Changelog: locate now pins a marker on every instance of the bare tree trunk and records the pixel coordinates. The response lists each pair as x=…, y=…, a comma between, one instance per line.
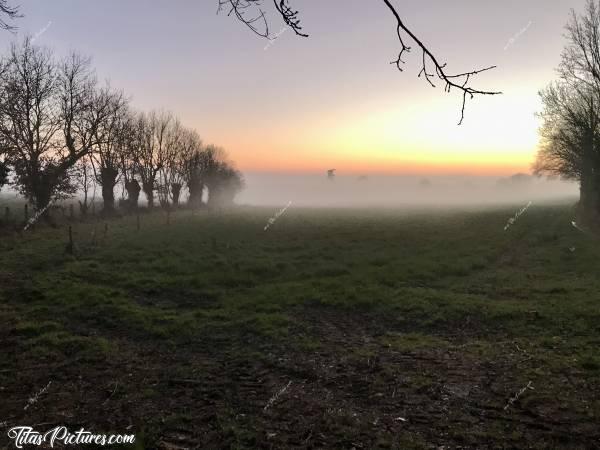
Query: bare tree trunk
x=108, y=176
x=176, y=192
x=196, y=191
x=149, y=191
x=133, y=194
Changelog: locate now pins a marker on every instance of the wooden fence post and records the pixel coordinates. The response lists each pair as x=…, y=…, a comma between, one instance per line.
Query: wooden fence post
x=7, y=213
x=70, y=244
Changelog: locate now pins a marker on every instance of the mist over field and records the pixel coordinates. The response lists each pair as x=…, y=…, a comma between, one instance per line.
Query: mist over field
x=316, y=190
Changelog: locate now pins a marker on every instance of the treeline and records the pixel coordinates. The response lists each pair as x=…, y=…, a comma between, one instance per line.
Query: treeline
x=62, y=132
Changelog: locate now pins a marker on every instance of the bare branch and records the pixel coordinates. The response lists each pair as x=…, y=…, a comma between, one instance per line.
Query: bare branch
x=459, y=81
x=431, y=69
x=12, y=12
x=240, y=8
x=290, y=17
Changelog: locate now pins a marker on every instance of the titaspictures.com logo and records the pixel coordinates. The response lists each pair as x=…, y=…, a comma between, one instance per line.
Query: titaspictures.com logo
x=61, y=435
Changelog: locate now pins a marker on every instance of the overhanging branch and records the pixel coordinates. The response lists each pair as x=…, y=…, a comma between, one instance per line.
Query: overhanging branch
x=251, y=14
x=458, y=81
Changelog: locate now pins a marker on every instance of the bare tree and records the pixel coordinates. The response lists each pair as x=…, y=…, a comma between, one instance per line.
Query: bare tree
x=580, y=59
x=111, y=137
x=83, y=172
x=198, y=164
x=571, y=117
x=171, y=175
x=48, y=116
x=251, y=13
x=224, y=183
x=210, y=168
x=571, y=141
x=30, y=122
x=151, y=153
x=130, y=139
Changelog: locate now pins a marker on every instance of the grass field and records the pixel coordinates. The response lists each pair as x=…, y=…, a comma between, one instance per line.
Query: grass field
x=348, y=329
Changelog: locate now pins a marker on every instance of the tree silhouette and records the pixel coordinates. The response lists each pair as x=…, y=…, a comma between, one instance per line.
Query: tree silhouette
x=571, y=116
x=251, y=13
x=49, y=114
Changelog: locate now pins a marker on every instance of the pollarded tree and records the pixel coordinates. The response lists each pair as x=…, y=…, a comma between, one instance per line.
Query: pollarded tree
x=167, y=174
x=224, y=183
x=211, y=169
x=195, y=160
x=151, y=152
x=130, y=138
x=111, y=138
x=179, y=143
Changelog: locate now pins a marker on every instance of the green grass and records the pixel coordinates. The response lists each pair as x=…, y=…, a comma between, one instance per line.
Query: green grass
x=419, y=282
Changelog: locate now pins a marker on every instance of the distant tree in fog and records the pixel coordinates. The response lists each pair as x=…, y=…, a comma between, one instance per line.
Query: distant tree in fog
x=425, y=183
x=250, y=13
x=223, y=182
x=516, y=180
x=195, y=161
x=208, y=168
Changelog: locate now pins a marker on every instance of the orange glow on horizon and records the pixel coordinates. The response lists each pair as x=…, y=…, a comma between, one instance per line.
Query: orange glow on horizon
x=498, y=137
x=399, y=167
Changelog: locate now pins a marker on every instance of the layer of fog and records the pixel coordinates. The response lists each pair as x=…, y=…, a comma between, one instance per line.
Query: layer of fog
x=400, y=191
x=343, y=191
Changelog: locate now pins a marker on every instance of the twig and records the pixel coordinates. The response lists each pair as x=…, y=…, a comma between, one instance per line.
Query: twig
x=113, y=393
x=458, y=81
x=33, y=400
x=517, y=395
x=273, y=399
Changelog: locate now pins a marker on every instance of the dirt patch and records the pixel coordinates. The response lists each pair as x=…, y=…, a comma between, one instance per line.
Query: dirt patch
x=352, y=390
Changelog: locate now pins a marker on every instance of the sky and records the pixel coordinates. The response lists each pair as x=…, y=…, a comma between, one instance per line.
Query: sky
x=332, y=100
